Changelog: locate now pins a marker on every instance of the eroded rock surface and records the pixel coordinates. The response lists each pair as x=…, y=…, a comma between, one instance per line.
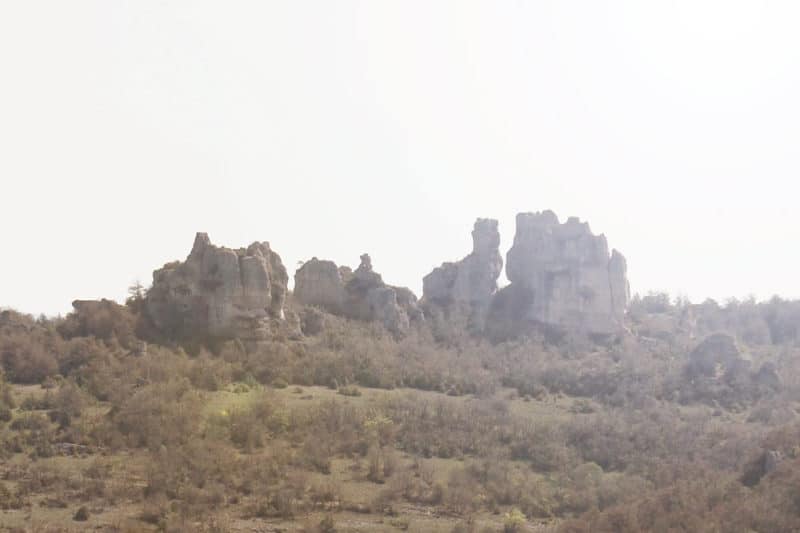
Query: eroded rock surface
x=562, y=276
x=219, y=291
x=467, y=286
x=321, y=283
x=360, y=294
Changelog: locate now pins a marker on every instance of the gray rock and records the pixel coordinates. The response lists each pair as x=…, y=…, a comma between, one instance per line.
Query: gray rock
x=383, y=306
x=468, y=285
x=563, y=277
x=320, y=283
x=360, y=294
x=219, y=291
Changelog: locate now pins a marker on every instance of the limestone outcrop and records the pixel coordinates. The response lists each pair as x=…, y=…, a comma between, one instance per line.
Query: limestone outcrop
x=468, y=286
x=219, y=291
x=321, y=283
x=563, y=277
x=360, y=294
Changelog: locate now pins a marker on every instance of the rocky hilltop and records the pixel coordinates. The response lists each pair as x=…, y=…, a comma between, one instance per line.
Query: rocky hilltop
x=562, y=276
x=219, y=291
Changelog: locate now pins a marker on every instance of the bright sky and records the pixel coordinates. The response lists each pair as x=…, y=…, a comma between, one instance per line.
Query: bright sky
x=333, y=128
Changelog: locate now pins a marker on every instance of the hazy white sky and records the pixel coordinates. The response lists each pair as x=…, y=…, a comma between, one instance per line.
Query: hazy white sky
x=331, y=128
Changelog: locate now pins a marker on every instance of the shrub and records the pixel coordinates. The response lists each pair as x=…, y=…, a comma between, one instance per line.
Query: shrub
x=28, y=361
x=349, y=390
x=9, y=499
x=159, y=414
x=513, y=521
x=82, y=514
x=103, y=319
x=327, y=525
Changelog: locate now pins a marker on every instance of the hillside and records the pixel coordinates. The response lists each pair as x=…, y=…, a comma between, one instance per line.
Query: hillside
x=218, y=400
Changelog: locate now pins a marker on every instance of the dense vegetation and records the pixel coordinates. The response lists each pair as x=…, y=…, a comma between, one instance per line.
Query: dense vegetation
x=104, y=424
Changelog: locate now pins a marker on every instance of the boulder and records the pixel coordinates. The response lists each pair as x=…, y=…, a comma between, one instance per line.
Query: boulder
x=219, y=292
x=467, y=286
x=562, y=277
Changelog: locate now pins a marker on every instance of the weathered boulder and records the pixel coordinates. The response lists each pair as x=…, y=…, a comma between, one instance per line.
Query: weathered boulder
x=360, y=294
x=468, y=285
x=563, y=277
x=219, y=291
x=362, y=288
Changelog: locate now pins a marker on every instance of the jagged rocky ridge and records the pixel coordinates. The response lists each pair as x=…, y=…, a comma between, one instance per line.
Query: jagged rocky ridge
x=562, y=277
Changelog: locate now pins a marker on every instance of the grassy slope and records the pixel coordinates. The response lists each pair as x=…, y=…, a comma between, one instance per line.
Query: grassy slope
x=44, y=515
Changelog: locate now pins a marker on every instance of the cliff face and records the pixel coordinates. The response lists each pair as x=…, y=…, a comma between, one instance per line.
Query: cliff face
x=219, y=291
x=561, y=276
x=468, y=286
x=359, y=294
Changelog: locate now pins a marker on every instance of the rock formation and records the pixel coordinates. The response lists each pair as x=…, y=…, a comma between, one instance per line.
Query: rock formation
x=563, y=277
x=468, y=285
x=321, y=283
x=219, y=291
x=359, y=294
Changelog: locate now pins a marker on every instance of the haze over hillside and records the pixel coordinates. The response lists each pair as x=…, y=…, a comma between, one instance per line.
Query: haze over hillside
x=440, y=266
x=349, y=127
x=217, y=400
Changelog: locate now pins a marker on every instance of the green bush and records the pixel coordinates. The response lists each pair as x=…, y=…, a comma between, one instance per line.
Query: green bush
x=513, y=521
x=349, y=390
x=82, y=514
